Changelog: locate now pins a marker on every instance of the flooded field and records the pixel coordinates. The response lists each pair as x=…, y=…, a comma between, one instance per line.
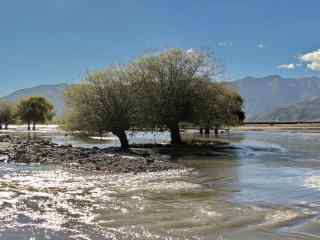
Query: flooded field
x=268, y=187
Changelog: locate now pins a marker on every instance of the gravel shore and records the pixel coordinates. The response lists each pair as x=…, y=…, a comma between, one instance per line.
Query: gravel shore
x=109, y=160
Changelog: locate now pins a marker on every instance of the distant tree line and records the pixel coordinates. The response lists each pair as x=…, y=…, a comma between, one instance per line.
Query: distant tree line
x=155, y=91
x=30, y=111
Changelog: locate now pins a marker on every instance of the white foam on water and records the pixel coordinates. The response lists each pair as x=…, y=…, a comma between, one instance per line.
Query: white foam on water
x=113, y=138
x=53, y=199
x=6, y=195
x=312, y=182
x=280, y=217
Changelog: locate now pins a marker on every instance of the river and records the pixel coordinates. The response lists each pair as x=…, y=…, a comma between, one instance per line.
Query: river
x=267, y=187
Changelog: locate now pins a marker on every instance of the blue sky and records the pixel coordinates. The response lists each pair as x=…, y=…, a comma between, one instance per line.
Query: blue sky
x=55, y=41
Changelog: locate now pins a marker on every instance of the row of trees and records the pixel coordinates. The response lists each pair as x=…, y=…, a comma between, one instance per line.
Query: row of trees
x=156, y=91
x=31, y=111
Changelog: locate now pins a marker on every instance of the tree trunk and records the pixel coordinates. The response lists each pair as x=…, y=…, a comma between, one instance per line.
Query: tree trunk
x=121, y=134
x=100, y=135
x=34, y=126
x=207, y=131
x=29, y=128
x=6, y=126
x=175, y=135
x=0, y=126
x=216, y=130
x=201, y=131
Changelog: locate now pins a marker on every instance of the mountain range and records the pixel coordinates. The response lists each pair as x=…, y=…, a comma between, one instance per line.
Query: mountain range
x=270, y=98
x=266, y=94
x=308, y=110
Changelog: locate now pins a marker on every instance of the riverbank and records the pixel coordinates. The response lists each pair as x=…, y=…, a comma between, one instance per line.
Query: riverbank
x=143, y=157
x=108, y=160
x=299, y=127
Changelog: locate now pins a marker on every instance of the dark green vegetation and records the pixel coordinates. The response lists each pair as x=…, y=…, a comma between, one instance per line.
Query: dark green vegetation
x=35, y=110
x=157, y=91
x=218, y=106
x=31, y=110
x=7, y=114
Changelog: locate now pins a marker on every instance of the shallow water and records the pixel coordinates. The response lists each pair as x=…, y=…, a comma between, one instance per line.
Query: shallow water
x=267, y=188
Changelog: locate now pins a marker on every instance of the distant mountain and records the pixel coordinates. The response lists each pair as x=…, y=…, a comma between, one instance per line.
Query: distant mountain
x=53, y=93
x=303, y=111
x=267, y=98
x=268, y=93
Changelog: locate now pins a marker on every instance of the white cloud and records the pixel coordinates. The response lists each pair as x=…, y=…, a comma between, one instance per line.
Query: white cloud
x=261, y=45
x=312, y=59
x=288, y=66
x=311, y=56
x=190, y=50
x=315, y=66
x=225, y=44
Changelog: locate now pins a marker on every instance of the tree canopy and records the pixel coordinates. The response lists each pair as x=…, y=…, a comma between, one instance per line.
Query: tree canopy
x=157, y=91
x=168, y=84
x=218, y=106
x=103, y=102
x=35, y=110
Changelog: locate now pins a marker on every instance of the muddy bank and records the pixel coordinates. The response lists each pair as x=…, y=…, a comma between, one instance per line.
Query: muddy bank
x=187, y=150
x=109, y=160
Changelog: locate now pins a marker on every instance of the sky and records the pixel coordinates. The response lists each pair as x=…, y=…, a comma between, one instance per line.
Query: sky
x=59, y=41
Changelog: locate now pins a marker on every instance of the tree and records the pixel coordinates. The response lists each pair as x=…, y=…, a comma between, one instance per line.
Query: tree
x=218, y=105
x=81, y=106
x=103, y=102
x=7, y=114
x=35, y=110
x=166, y=85
x=155, y=91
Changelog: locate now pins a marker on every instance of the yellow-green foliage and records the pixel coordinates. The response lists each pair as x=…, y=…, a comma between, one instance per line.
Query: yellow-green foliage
x=103, y=102
x=218, y=105
x=166, y=86
x=163, y=90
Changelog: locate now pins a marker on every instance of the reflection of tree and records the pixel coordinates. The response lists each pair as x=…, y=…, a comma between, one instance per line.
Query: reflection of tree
x=219, y=169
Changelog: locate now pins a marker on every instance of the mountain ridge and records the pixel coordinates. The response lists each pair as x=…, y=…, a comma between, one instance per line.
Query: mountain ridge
x=308, y=110
x=262, y=95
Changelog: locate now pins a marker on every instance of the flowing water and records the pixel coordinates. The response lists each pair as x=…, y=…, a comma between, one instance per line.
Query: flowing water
x=268, y=187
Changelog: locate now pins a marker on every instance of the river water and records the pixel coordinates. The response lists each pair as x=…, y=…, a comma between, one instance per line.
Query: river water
x=267, y=187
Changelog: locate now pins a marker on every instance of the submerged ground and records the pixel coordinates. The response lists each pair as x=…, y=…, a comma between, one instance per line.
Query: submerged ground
x=266, y=187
